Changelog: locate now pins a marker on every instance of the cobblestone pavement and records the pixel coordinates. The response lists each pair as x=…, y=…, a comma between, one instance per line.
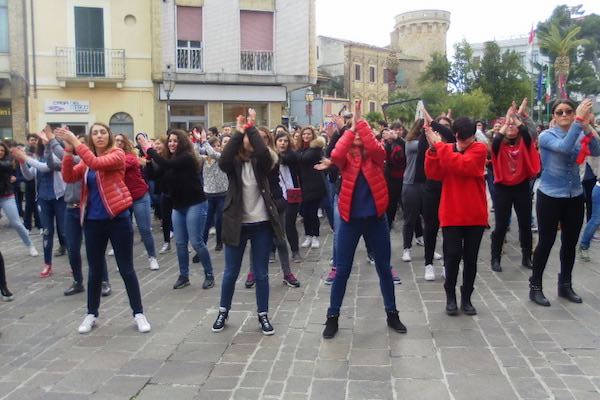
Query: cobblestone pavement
x=512, y=349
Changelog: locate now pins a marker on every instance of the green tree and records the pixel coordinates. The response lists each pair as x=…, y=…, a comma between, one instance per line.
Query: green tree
x=438, y=69
x=475, y=104
x=373, y=118
x=462, y=71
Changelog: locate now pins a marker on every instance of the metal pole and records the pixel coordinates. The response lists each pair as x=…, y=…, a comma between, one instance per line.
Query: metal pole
x=168, y=111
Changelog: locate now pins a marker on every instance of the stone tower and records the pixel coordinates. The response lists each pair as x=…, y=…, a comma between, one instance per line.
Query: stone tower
x=421, y=33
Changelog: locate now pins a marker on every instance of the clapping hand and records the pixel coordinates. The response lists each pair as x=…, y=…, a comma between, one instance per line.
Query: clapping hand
x=323, y=164
x=432, y=136
x=18, y=154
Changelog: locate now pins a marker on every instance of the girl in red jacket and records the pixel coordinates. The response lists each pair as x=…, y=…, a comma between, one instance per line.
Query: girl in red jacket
x=105, y=203
x=463, y=206
x=363, y=202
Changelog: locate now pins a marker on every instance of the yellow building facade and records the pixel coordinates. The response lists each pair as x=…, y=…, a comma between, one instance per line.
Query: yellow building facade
x=91, y=62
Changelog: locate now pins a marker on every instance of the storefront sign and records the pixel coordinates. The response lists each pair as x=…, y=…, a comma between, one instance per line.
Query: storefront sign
x=67, y=107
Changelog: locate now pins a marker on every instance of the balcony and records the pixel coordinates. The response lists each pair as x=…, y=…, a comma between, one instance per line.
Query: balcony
x=189, y=57
x=90, y=64
x=256, y=61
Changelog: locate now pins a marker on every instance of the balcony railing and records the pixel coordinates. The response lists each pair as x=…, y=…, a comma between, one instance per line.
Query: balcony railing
x=256, y=61
x=82, y=63
x=189, y=59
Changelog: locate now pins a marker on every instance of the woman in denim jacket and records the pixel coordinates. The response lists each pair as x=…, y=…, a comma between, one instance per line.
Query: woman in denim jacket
x=560, y=194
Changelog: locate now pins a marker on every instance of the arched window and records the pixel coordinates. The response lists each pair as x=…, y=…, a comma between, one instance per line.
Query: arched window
x=122, y=122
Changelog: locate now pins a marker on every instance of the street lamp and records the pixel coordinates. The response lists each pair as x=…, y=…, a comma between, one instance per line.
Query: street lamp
x=309, y=96
x=168, y=86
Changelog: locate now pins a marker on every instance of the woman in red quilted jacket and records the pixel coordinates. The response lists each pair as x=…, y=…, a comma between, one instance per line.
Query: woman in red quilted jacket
x=363, y=202
x=105, y=203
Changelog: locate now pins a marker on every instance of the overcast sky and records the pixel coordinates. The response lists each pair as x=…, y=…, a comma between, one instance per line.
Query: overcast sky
x=371, y=21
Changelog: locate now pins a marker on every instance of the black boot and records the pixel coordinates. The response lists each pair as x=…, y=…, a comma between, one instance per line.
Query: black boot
x=465, y=301
x=451, y=307
x=393, y=321
x=565, y=290
x=6, y=294
x=526, y=259
x=75, y=288
x=496, y=267
x=331, y=326
x=536, y=295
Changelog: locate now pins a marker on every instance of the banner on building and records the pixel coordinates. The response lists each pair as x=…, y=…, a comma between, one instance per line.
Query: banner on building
x=67, y=107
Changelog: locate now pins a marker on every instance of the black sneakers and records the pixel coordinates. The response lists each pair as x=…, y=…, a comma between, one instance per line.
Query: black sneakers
x=209, y=282
x=182, y=282
x=331, y=327
x=393, y=321
x=264, y=324
x=75, y=288
x=219, y=324
x=6, y=294
x=106, y=289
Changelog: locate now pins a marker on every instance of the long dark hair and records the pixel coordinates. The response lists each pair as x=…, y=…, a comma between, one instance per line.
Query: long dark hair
x=416, y=130
x=184, y=145
x=6, y=151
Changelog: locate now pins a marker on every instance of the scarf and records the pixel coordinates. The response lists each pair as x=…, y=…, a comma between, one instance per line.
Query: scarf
x=585, y=149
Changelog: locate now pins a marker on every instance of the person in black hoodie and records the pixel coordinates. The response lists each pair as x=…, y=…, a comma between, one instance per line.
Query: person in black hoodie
x=395, y=164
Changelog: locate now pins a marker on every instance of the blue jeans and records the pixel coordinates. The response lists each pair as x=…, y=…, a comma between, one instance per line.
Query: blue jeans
x=188, y=224
x=377, y=235
x=594, y=222
x=73, y=235
x=261, y=240
x=336, y=226
x=143, y=217
x=51, y=210
x=214, y=216
x=120, y=233
x=10, y=210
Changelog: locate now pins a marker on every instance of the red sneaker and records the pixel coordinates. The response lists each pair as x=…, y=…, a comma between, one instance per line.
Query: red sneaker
x=47, y=271
x=330, y=277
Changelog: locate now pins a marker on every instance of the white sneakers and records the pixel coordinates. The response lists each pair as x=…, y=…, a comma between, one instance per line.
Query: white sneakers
x=307, y=242
x=111, y=252
x=142, y=323
x=315, y=244
x=165, y=248
x=437, y=256
x=32, y=251
x=419, y=241
x=429, y=273
x=406, y=255
x=88, y=323
x=153, y=263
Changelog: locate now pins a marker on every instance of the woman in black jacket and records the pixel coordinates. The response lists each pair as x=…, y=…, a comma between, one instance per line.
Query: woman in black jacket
x=249, y=214
x=312, y=183
x=155, y=173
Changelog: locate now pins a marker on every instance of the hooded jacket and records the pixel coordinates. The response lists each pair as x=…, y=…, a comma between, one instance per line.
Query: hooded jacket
x=312, y=181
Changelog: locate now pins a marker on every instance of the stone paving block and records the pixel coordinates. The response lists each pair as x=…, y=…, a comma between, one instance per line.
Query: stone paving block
x=84, y=381
x=458, y=338
x=124, y=385
x=412, y=347
x=254, y=379
x=141, y=367
x=303, y=368
x=459, y=361
x=370, y=373
x=328, y=390
x=416, y=367
x=331, y=369
x=472, y=387
x=220, y=383
x=246, y=394
x=578, y=383
x=64, y=396
x=182, y=372
x=369, y=390
x=41, y=380
x=331, y=350
x=419, y=389
x=530, y=388
x=297, y=384
x=162, y=392
x=198, y=352
x=370, y=357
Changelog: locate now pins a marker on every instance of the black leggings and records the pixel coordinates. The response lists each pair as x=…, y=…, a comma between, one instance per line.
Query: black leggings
x=550, y=212
x=291, y=213
x=431, y=193
x=507, y=196
x=2, y=272
x=461, y=242
x=166, y=209
x=395, y=191
x=311, y=220
x=413, y=203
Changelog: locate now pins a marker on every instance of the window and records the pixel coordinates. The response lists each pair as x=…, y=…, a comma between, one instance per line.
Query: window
x=256, y=30
x=89, y=41
x=189, y=38
x=4, y=27
x=187, y=115
x=372, y=106
x=232, y=110
x=122, y=123
x=357, y=72
x=5, y=120
x=372, y=74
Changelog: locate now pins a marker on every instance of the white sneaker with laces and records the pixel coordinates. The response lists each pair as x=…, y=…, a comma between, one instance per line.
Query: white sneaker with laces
x=111, y=252
x=307, y=242
x=142, y=323
x=171, y=235
x=212, y=231
x=153, y=263
x=443, y=272
x=406, y=255
x=429, y=273
x=315, y=244
x=88, y=323
x=32, y=251
x=419, y=241
x=165, y=248
x=437, y=256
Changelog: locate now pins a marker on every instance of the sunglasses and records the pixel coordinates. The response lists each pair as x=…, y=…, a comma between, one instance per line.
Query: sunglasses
x=560, y=113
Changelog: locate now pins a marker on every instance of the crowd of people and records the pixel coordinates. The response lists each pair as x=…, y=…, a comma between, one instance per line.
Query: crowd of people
x=252, y=184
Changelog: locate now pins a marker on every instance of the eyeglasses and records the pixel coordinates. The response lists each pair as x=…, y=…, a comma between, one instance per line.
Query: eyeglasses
x=560, y=113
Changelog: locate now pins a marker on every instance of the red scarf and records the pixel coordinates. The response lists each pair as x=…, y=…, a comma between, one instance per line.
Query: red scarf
x=514, y=164
x=585, y=148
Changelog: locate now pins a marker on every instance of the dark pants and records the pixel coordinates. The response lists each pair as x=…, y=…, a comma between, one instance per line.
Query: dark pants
x=2, y=272
x=291, y=213
x=31, y=207
x=413, y=204
x=375, y=232
x=489, y=178
x=395, y=192
x=19, y=196
x=588, y=187
x=52, y=210
x=461, y=242
x=550, y=212
x=120, y=233
x=73, y=236
x=214, y=215
x=518, y=196
x=311, y=220
x=432, y=193
x=166, y=210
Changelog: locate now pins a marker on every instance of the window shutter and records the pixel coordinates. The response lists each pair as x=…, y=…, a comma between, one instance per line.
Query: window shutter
x=256, y=29
x=189, y=23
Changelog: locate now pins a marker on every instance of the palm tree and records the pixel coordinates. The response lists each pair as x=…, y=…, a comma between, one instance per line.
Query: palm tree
x=561, y=46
